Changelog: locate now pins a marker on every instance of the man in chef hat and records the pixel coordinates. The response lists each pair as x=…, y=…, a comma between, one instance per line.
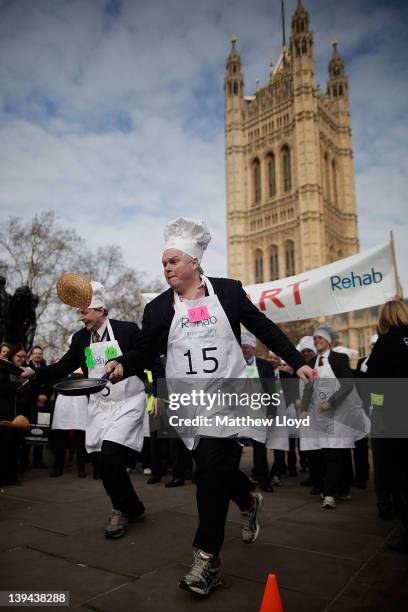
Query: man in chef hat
x=114, y=416
x=196, y=323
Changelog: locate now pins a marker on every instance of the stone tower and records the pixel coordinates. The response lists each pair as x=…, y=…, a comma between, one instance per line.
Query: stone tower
x=291, y=202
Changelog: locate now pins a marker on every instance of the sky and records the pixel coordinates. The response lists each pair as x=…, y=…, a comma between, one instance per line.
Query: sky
x=112, y=112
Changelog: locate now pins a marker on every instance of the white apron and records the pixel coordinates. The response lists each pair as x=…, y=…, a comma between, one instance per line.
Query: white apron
x=70, y=412
x=207, y=349
x=349, y=424
x=278, y=436
x=117, y=417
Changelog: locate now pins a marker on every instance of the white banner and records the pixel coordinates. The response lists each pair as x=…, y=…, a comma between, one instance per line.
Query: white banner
x=360, y=281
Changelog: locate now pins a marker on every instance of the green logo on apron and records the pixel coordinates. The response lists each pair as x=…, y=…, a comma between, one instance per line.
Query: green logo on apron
x=110, y=352
x=90, y=364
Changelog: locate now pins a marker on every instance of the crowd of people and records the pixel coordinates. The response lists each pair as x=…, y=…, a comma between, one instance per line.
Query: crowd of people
x=113, y=430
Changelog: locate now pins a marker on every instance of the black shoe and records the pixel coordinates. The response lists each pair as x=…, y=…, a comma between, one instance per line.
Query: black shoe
x=40, y=466
x=82, y=474
x=266, y=486
x=153, y=479
x=360, y=484
x=400, y=545
x=306, y=483
x=11, y=483
x=293, y=473
x=315, y=491
x=55, y=473
x=176, y=482
x=385, y=514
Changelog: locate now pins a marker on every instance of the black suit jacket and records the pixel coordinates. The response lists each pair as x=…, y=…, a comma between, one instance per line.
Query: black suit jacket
x=126, y=333
x=159, y=313
x=341, y=368
x=290, y=382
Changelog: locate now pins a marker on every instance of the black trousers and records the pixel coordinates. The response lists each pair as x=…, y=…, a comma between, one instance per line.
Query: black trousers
x=159, y=450
x=10, y=443
x=181, y=460
x=261, y=470
x=113, y=460
x=279, y=463
x=360, y=456
x=390, y=459
x=316, y=467
x=219, y=480
x=59, y=444
x=335, y=471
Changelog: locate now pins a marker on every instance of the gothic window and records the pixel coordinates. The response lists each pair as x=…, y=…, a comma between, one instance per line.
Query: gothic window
x=287, y=178
x=229, y=89
x=340, y=89
x=274, y=263
x=304, y=46
x=302, y=26
x=297, y=44
x=256, y=174
x=234, y=68
x=271, y=175
x=258, y=266
x=289, y=258
x=334, y=90
x=235, y=87
x=334, y=182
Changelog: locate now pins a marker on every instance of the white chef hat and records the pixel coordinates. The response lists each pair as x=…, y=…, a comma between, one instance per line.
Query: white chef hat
x=98, y=295
x=306, y=342
x=248, y=339
x=326, y=331
x=373, y=338
x=346, y=351
x=188, y=235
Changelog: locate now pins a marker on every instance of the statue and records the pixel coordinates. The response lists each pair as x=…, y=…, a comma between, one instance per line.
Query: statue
x=21, y=318
x=4, y=306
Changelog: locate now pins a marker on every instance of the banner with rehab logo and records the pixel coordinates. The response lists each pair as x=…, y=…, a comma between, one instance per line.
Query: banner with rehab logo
x=360, y=281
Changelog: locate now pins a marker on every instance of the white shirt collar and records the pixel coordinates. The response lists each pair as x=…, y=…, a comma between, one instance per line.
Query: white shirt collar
x=101, y=329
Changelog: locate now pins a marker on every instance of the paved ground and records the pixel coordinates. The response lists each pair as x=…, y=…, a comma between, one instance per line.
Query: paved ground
x=51, y=538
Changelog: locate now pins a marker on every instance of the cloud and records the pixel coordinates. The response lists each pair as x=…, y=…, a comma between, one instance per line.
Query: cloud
x=111, y=112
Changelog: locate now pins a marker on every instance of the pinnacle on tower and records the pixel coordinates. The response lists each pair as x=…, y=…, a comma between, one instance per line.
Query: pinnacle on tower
x=337, y=85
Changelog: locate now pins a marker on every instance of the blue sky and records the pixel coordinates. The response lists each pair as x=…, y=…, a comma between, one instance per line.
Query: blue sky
x=111, y=112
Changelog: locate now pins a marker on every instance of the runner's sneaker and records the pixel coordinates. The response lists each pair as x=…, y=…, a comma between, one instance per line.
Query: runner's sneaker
x=204, y=574
x=117, y=525
x=276, y=481
x=328, y=502
x=147, y=471
x=250, y=524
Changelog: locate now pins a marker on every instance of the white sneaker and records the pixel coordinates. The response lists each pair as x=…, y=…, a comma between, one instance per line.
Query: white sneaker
x=250, y=524
x=147, y=472
x=328, y=502
x=204, y=574
x=276, y=481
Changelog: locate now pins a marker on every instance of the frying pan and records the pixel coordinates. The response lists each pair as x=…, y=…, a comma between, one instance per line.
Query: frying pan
x=83, y=386
x=10, y=368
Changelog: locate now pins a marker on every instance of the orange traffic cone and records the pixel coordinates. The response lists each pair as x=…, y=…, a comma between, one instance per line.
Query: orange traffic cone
x=271, y=601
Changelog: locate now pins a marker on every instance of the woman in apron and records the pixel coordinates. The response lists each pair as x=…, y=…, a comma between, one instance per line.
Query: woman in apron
x=196, y=323
x=337, y=418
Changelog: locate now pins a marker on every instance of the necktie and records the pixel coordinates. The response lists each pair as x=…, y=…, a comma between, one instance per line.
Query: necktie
x=96, y=337
x=320, y=361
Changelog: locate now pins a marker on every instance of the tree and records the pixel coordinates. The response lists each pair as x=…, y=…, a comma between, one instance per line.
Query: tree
x=36, y=252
